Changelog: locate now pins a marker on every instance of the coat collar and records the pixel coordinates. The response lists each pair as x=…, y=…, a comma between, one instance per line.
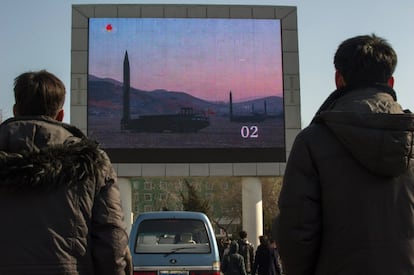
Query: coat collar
x=337, y=94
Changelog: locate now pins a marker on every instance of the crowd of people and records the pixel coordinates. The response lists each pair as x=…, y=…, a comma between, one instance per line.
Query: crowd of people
x=238, y=257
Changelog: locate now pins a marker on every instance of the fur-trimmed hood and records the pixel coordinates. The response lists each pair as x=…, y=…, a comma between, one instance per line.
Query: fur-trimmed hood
x=61, y=201
x=40, y=153
x=52, y=166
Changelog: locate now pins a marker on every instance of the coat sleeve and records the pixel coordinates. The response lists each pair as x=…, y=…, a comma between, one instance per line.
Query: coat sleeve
x=277, y=263
x=225, y=263
x=242, y=266
x=299, y=225
x=251, y=253
x=109, y=236
x=255, y=263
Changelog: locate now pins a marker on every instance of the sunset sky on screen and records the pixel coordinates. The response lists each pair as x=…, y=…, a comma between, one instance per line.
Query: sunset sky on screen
x=203, y=57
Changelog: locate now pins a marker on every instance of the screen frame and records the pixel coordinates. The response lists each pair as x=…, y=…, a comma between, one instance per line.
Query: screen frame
x=286, y=15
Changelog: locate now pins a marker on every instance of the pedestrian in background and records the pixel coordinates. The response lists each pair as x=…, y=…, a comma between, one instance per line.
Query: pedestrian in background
x=233, y=262
x=246, y=249
x=346, y=204
x=274, y=254
x=265, y=260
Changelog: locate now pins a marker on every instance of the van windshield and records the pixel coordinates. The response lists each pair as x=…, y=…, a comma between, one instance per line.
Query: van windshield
x=172, y=236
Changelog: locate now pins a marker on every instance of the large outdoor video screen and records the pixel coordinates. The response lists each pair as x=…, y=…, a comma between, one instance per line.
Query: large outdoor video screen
x=186, y=89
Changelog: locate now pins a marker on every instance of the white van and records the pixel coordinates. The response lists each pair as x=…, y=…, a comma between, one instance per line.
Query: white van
x=174, y=243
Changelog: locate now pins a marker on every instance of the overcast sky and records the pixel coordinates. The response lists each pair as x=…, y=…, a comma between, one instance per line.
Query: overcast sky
x=37, y=35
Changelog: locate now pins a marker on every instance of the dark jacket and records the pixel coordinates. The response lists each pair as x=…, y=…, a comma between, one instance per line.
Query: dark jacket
x=246, y=249
x=59, y=202
x=233, y=262
x=266, y=261
x=347, y=201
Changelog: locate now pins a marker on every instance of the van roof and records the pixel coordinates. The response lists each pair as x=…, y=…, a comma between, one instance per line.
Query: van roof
x=172, y=215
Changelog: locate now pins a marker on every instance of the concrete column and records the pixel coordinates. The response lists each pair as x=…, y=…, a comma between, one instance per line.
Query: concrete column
x=126, y=200
x=252, y=209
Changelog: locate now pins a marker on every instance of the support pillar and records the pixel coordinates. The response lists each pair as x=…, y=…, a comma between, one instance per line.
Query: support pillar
x=252, y=209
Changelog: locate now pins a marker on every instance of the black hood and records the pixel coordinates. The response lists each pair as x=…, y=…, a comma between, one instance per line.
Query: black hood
x=383, y=143
x=234, y=247
x=372, y=126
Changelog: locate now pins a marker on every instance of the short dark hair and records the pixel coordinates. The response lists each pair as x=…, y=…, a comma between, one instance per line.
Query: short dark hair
x=38, y=93
x=263, y=239
x=242, y=234
x=365, y=59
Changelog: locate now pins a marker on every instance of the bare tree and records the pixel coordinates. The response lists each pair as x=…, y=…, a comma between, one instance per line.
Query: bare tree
x=271, y=187
x=192, y=201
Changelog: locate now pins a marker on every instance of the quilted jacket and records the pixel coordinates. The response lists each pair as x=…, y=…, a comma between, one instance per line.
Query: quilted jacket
x=347, y=201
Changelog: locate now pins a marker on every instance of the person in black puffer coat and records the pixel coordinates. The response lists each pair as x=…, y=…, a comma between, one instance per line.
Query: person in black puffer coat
x=346, y=204
x=266, y=260
x=59, y=196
